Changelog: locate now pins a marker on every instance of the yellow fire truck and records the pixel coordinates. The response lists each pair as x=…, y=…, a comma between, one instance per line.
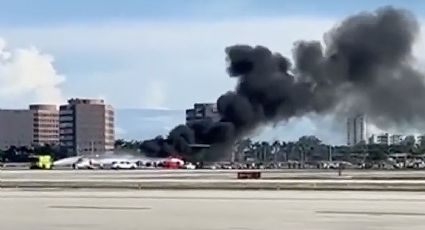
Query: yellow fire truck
x=41, y=162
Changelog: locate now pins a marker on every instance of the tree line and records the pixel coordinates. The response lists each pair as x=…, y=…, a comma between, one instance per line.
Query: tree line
x=23, y=153
x=306, y=148
x=311, y=148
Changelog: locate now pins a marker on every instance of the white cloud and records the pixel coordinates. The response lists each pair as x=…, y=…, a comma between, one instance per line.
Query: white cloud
x=28, y=76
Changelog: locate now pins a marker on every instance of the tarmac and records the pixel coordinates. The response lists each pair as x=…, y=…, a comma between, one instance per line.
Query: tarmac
x=212, y=179
x=57, y=209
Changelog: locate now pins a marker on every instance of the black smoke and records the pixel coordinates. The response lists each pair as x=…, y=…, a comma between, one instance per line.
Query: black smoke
x=364, y=65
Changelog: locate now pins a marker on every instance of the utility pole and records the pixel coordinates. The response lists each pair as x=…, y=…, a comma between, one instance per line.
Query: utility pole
x=302, y=151
x=92, y=147
x=330, y=153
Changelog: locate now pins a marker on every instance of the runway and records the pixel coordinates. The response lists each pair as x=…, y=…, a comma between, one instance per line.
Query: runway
x=207, y=174
x=209, y=179
x=210, y=210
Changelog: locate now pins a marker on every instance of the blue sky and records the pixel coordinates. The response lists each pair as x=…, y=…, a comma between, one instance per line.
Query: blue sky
x=45, y=12
x=96, y=39
x=153, y=54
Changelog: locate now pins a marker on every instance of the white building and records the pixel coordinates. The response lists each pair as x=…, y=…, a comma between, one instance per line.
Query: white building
x=381, y=139
x=396, y=139
x=356, y=130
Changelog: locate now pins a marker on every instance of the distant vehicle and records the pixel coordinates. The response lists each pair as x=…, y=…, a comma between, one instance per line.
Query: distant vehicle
x=420, y=165
x=415, y=164
x=124, y=165
x=83, y=163
x=227, y=166
x=173, y=163
x=330, y=165
x=41, y=162
x=189, y=166
x=398, y=165
x=272, y=166
x=212, y=166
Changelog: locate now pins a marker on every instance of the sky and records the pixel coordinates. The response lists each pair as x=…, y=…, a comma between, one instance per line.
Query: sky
x=164, y=54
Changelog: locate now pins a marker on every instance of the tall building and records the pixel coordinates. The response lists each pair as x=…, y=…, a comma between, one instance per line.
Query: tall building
x=38, y=125
x=16, y=128
x=202, y=111
x=356, y=130
x=45, y=124
x=86, y=126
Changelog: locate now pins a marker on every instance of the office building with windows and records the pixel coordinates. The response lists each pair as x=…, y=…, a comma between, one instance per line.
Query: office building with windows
x=356, y=130
x=201, y=112
x=38, y=125
x=45, y=124
x=86, y=126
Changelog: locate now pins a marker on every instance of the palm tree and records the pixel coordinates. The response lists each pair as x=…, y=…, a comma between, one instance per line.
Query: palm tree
x=266, y=150
x=276, y=149
x=256, y=150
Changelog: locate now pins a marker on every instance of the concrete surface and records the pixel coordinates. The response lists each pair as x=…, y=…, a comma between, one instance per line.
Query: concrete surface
x=210, y=210
x=207, y=179
x=211, y=174
x=375, y=185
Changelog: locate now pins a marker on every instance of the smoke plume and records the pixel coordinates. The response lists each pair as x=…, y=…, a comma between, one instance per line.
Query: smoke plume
x=363, y=66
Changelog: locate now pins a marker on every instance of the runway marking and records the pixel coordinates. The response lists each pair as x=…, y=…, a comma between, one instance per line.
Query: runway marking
x=98, y=207
x=214, y=198
x=240, y=228
x=372, y=213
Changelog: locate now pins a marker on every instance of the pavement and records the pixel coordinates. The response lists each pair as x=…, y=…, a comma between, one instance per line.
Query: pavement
x=210, y=174
x=57, y=209
x=209, y=179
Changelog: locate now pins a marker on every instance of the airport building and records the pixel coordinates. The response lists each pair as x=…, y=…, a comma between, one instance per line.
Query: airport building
x=86, y=126
x=396, y=139
x=16, y=128
x=381, y=139
x=38, y=125
x=202, y=112
x=389, y=139
x=45, y=124
x=356, y=130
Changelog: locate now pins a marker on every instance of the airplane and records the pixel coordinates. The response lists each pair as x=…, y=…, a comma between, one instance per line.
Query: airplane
x=106, y=160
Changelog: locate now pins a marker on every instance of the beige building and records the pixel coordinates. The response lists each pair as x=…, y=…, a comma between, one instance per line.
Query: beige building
x=16, y=128
x=45, y=124
x=87, y=126
x=356, y=130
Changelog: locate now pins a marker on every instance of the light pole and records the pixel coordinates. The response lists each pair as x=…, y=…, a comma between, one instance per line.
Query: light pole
x=92, y=147
x=330, y=153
